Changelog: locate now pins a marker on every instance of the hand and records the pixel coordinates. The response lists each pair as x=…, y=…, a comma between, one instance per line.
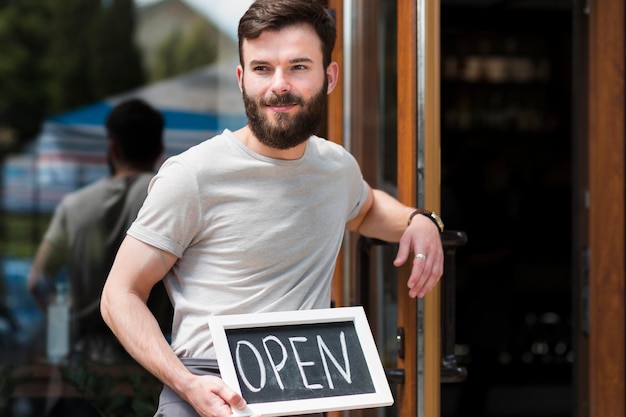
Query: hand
x=211, y=397
x=421, y=237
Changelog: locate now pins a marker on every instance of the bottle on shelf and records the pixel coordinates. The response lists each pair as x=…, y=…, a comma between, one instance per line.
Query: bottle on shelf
x=58, y=325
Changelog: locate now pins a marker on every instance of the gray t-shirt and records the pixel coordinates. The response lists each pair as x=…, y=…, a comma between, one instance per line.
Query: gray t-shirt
x=86, y=230
x=253, y=234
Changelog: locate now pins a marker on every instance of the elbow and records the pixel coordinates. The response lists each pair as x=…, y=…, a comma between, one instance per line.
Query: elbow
x=105, y=308
x=33, y=287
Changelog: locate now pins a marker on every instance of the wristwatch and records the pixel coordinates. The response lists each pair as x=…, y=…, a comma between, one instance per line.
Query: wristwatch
x=434, y=217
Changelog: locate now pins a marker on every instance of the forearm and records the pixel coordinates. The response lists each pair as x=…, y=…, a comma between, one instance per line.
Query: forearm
x=386, y=219
x=383, y=217
x=40, y=270
x=137, y=268
x=135, y=271
x=136, y=328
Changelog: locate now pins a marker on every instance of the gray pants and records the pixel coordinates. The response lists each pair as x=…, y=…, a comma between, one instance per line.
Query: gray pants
x=171, y=405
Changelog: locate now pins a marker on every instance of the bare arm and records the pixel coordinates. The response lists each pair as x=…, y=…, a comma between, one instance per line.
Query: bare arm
x=137, y=268
x=43, y=266
x=384, y=217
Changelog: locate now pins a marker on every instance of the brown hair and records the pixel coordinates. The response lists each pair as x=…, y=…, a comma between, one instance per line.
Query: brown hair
x=274, y=15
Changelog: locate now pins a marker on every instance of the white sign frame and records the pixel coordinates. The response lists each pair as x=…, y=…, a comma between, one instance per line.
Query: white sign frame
x=382, y=396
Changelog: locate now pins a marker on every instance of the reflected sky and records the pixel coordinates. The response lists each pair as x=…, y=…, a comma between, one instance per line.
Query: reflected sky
x=224, y=15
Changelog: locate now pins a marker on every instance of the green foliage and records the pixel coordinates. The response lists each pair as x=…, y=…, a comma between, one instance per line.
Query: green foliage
x=92, y=55
x=116, y=69
x=104, y=391
x=60, y=54
x=99, y=389
x=146, y=389
x=21, y=233
x=9, y=382
x=23, y=42
x=180, y=53
x=68, y=58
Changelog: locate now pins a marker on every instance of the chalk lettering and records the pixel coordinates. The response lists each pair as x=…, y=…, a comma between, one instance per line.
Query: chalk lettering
x=301, y=362
x=301, y=365
x=324, y=349
x=276, y=367
x=257, y=354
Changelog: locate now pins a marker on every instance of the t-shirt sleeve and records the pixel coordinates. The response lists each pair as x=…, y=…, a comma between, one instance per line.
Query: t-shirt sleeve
x=170, y=217
x=363, y=191
x=56, y=234
x=360, y=188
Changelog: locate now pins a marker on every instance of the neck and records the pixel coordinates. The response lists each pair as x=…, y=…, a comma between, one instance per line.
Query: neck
x=248, y=138
x=126, y=171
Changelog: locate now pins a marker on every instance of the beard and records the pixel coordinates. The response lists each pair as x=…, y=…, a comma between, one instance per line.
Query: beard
x=285, y=131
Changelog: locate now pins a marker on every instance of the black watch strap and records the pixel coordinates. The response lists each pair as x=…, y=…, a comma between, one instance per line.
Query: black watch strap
x=434, y=217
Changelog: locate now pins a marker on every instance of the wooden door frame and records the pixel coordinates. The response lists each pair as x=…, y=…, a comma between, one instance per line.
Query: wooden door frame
x=334, y=129
x=601, y=358
x=419, y=141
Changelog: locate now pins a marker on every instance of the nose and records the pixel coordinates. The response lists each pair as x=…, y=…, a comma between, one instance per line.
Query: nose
x=280, y=83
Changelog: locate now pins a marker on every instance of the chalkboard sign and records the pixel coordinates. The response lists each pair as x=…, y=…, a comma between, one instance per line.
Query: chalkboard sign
x=298, y=362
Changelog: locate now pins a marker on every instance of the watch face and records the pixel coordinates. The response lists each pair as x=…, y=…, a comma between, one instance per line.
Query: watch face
x=437, y=220
x=431, y=215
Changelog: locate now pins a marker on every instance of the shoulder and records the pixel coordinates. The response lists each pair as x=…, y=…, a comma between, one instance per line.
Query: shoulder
x=330, y=152
x=327, y=148
x=139, y=186
x=143, y=179
x=84, y=201
x=326, y=145
x=87, y=192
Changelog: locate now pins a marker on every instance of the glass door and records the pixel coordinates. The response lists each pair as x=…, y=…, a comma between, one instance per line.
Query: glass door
x=390, y=124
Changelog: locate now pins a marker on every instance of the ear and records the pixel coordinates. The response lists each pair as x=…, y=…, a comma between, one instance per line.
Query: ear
x=332, y=74
x=239, y=72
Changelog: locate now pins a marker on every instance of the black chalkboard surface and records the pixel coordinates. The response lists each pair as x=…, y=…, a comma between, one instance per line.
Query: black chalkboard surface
x=301, y=361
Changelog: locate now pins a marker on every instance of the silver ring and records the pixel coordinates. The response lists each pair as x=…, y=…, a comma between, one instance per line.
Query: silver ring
x=421, y=256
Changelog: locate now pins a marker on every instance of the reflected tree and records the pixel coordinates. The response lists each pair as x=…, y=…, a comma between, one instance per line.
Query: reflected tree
x=23, y=74
x=56, y=55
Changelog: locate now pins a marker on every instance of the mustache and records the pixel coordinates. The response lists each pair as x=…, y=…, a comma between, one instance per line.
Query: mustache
x=283, y=100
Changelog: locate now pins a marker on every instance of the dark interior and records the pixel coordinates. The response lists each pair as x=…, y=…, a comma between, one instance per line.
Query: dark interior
x=506, y=145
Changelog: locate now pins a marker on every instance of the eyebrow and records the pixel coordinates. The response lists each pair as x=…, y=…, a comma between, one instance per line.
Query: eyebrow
x=291, y=61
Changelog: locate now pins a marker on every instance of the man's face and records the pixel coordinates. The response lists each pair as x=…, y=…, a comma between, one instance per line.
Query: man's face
x=284, y=85
x=284, y=130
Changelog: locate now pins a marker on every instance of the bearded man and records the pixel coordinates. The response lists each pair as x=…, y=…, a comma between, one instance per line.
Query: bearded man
x=252, y=221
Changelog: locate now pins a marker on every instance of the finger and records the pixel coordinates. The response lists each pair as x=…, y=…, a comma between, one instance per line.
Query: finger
x=232, y=397
x=419, y=266
x=417, y=271
x=430, y=276
x=222, y=410
x=425, y=286
x=222, y=399
x=403, y=252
